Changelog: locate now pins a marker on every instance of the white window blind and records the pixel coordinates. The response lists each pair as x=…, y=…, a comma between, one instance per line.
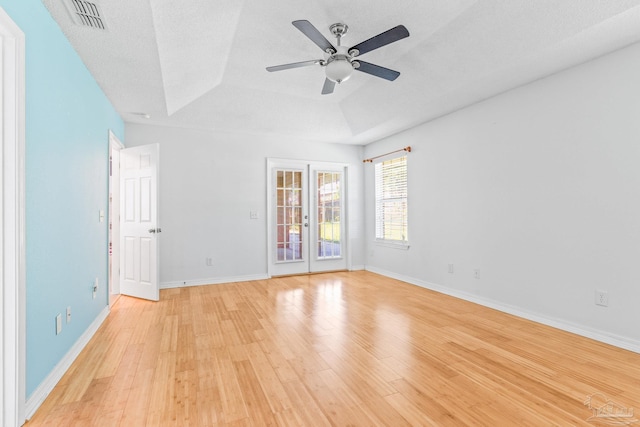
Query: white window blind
x=391, y=200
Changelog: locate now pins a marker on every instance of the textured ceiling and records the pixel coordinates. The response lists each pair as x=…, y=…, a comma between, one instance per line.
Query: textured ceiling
x=201, y=64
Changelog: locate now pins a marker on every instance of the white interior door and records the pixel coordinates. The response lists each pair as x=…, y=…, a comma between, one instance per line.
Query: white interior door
x=306, y=217
x=139, y=227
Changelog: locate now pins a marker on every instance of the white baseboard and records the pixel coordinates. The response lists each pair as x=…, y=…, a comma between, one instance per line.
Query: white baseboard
x=357, y=268
x=40, y=394
x=585, y=331
x=212, y=281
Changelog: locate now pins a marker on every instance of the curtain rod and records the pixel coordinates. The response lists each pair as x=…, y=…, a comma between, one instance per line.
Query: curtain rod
x=407, y=149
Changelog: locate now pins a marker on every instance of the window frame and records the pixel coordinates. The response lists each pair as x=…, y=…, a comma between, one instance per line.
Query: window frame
x=379, y=237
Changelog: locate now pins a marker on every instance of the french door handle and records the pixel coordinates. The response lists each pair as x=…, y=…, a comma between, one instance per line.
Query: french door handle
x=306, y=224
x=152, y=230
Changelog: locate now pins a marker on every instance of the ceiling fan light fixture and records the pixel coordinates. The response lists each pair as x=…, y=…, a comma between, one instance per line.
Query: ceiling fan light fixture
x=339, y=69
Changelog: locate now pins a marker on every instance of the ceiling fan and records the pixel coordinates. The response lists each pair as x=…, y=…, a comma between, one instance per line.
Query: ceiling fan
x=340, y=61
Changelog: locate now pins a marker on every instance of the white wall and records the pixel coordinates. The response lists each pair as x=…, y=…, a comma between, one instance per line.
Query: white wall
x=539, y=188
x=210, y=182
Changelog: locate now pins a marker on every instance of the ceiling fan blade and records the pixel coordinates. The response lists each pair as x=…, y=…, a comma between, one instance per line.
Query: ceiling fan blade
x=328, y=87
x=314, y=35
x=293, y=65
x=378, y=71
x=382, y=39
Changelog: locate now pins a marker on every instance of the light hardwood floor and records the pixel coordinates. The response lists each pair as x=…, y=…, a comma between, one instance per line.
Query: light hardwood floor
x=334, y=349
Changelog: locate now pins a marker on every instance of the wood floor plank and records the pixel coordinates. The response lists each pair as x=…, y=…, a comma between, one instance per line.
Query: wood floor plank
x=331, y=350
x=121, y=383
x=365, y=379
x=268, y=380
x=138, y=400
x=412, y=414
x=186, y=387
x=233, y=405
x=306, y=407
x=162, y=399
x=278, y=361
x=338, y=406
x=256, y=401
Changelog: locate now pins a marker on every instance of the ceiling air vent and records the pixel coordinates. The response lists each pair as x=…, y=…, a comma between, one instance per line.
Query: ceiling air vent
x=86, y=13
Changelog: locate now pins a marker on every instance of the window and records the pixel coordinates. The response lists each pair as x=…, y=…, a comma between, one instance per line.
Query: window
x=289, y=215
x=328, y=204
x=391, y=200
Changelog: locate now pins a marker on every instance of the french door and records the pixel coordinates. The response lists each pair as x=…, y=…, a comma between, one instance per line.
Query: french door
x=307, y=217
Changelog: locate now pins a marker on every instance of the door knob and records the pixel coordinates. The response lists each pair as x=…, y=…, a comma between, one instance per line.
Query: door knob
x=152, y=230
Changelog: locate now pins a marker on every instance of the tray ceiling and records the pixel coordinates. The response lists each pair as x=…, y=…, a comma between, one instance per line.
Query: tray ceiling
x=201, y=64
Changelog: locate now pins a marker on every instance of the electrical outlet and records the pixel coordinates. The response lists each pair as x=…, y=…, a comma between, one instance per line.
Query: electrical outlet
x=602, y=298
x=68, y=314
x=476, y=273
x=58, y=324
x=95, y=288
x=253, y=214
x=208, y=261
x=450, y=268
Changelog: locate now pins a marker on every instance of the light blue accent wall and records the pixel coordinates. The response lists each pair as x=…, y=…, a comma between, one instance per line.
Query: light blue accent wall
x=67, y=153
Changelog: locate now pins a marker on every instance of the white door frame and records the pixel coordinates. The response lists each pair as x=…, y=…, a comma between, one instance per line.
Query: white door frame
x=12, y=232
x=310, y=164
x=115, y=145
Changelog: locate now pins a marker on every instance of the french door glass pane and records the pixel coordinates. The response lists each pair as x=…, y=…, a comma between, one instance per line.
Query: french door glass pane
x=289, y=215
x=329, y=244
